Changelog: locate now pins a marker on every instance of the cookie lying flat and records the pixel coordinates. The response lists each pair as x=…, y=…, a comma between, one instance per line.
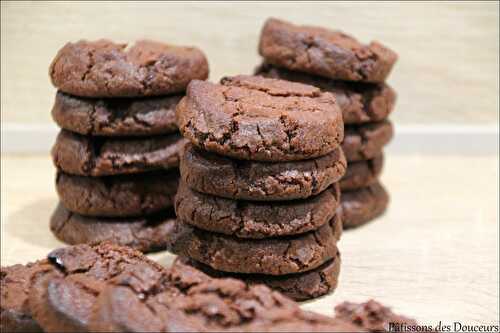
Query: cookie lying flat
x=272, y=256
x=118, y=196
x=366, y=141
x=106, y=69
x=247, y=219
x=146, y=234
x=255, y=118
x=261, y=181
x=116, y=116
x=359, y=102
x=363, y=205
x=362, y=173
x=324, y=52
x=98, y=156
x=300, y=286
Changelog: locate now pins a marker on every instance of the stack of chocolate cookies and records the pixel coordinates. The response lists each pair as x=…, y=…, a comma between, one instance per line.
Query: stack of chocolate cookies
x=354, y=73
x=259, y=193
x=117, y=153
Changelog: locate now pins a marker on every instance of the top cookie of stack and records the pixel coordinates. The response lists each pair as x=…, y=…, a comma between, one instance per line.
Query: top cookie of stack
x=354, y=73
x=116, y=107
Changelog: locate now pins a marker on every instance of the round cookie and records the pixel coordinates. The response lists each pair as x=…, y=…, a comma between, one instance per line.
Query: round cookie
x=272, y=256
x=255, y=118
x=99, y=156
x=364, y=142
x=362, y=173
x=105, y=69
x=116, y=116
x=117, y=196
x=260, y=181
x=247, y=219
x=299, y=287
x=360, y=102
x=324, y=52
x=146, y=234
x=363, y=205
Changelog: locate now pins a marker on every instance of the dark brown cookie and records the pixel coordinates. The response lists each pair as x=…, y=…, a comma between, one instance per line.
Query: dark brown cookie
x=372, y=316
x=99, y=156
x=261, y=181
x=362, y=173
x=146, y=234
x=106, y=69
x=363, y=205
x=359, y=102
x=118, y=196
x=253, y=219
x=299, y=287
x=364, y=142
x=255, y=118
x=116, y=116
x=15, y=281
x=272, y=256
x=324, y=52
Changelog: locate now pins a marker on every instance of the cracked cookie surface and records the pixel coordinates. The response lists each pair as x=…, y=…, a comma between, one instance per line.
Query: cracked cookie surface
x=118, y=196
x=252, y=219
x=364, y=142
x=214, y=174
x=363, y=205
x=101, y=156
x=116, y=116
x=145, y=233
x=105, y=69
x=329, y=53
x=272, y=256
x=299, y=287
x=362, y=173
x=255, y=118
x=359, y=102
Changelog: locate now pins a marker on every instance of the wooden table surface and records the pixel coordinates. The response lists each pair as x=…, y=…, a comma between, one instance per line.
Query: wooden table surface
x=434, y=255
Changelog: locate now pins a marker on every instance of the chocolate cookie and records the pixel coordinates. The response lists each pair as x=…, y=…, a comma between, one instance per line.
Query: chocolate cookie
x=272, y=256
x=118, y=196
x=359, y=102
x=105, y=69
x=15, y=281
x=260, y=181
x=372, y=316
x=116, y=116
x=247, y=219
x=99, y=156
x=146, y=234
x=324, y=52
x=363, y=205
x=364, y=142
x=300, y=286
x=255, y=118
x=362, y=173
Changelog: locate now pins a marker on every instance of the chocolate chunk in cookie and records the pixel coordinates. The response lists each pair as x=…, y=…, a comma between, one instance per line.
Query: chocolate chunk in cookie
x=364, y=142
x=359, y=102
x=363, y=205
x=260, y=181
x=106, y=69
x=362, y=173
x=329, y=53
x=272, y=256
x=255, y=118
x=116, y=116
x=251, y=219
x=147, y=234
x=99, y=156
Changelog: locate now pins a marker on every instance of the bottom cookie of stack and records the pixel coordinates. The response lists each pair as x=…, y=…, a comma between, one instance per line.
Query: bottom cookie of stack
x=362, y=205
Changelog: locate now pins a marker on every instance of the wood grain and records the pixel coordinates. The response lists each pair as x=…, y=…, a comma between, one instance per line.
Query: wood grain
x=447, y=72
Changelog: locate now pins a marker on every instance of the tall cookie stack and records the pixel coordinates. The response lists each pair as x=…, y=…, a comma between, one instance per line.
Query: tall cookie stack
x=354, y=73
x=117, y=153
x=259, y=183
